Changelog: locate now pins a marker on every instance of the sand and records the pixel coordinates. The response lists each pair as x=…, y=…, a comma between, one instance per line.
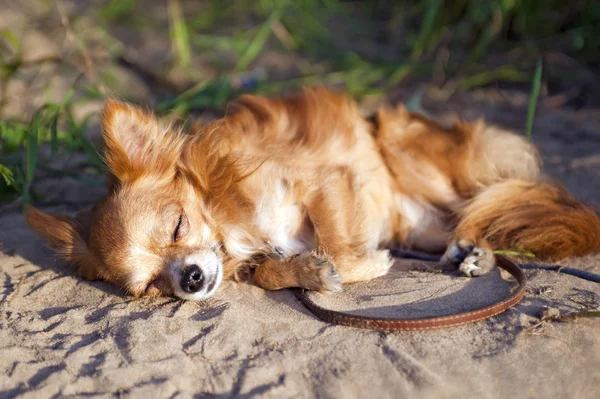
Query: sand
x=61, y=336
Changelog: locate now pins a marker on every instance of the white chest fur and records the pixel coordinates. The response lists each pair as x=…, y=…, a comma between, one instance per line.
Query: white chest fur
x=278, y=217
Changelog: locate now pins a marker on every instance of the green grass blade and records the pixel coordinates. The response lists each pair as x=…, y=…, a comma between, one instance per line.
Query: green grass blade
x=431, y=14
x=77, y=131
x=69, y=93
x=535, y=93
x=399, y=74
x=180, y=40
x=55, y=111
x=505, y=73
x=11, y=38
x=54, y=134
x=11, y=136
x=258, y=42
x=589, y=314
x=514, y=253
x=7, y=175
x=183, y=98
x=224, y=91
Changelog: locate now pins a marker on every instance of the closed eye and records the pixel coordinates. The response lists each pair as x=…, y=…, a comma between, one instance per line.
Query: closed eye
x=176, y=233
x=181, y=229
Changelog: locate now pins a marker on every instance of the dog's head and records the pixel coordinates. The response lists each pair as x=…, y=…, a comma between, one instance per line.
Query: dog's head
x=153, y=234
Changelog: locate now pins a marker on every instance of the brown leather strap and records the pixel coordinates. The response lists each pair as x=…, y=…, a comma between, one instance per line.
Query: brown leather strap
x=392, y=324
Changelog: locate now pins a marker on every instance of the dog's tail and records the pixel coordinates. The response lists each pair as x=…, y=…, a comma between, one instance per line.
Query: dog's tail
x=537, y=217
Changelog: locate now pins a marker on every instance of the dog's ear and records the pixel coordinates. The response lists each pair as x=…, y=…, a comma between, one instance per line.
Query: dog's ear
x=66, y=236
x=137, y=143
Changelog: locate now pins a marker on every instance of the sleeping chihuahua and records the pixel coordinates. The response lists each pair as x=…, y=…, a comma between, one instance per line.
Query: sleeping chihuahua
x=310, y=193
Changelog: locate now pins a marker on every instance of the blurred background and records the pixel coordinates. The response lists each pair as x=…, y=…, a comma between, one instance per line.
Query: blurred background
x=507, y=60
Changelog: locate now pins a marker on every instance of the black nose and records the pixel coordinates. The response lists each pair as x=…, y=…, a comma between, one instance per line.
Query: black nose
x=191, y=279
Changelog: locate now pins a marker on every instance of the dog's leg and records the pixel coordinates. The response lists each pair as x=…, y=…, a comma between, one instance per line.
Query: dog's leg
x=362, y=267
x=345, y=251
x=307, y=270
x=472, y=257
x=344, y=228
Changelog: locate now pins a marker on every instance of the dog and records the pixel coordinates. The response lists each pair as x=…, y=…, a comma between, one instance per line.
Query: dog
x=310, y=193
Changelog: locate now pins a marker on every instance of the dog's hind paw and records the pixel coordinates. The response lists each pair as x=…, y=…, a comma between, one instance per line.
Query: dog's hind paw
x=470, y=259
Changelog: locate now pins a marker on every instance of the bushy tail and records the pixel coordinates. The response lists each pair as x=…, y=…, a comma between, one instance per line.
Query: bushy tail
x=531, y=216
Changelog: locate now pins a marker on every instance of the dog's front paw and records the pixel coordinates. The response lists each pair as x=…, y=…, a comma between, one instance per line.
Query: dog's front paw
x=307, y=270
x=470, y=259
x=318, y=274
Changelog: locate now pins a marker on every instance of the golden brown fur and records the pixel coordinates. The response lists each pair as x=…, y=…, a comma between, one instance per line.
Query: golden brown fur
x=311, y=193
x=531, y=216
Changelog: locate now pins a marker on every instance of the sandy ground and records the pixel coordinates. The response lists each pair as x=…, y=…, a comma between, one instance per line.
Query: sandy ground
x=60, y=336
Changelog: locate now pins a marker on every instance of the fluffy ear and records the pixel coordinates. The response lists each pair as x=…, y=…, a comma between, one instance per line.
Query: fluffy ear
x=137, y=143
x=66, y=236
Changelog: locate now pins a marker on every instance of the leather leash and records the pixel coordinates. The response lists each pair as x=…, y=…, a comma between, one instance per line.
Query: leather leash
x=427, y=323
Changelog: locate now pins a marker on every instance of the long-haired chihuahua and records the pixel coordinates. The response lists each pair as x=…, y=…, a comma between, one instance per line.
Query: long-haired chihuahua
x=311, y=193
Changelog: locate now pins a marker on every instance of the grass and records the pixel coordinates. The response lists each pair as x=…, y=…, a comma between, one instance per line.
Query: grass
x=20, y=164
x=180, y=41
x=430, y=16
x=515, y=253
x=326, y=38
x=535, y=93
x=259, y=40
x=7, y=175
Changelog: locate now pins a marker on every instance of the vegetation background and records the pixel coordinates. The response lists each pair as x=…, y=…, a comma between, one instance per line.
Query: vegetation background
x=59, y=58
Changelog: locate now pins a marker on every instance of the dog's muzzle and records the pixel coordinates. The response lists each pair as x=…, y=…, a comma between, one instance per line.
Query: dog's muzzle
x=197, y=275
